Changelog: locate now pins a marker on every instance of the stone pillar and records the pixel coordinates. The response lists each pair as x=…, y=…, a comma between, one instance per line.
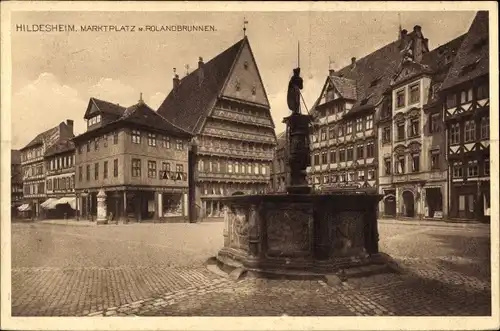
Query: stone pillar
x=160, y=204
x=125, y=205
x=101, y=207
x=185, y=209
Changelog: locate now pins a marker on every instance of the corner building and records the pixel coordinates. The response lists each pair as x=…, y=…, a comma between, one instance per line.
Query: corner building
x=224, y=105
x=138, y=158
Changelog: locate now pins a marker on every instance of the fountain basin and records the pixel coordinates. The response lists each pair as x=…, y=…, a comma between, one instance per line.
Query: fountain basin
x=300, y=233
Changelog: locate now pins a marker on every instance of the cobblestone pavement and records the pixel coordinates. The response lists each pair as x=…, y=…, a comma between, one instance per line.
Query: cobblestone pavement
x=157, y=269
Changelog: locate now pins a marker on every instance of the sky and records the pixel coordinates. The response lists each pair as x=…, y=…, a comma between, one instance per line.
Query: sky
x=54, y=74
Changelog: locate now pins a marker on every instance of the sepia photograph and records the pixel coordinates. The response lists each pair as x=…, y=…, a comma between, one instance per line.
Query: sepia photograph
x=240, y=160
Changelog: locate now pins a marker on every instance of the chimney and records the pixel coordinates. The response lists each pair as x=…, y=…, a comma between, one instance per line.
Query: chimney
x=200, y=69
x=331, y=71
x=418, y=45
x=176, y=81
x=353, y=62
x=70, y=125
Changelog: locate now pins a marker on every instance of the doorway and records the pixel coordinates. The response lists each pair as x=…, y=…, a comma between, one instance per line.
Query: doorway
x=390, y=203
x=434, y=201
x=408, y=204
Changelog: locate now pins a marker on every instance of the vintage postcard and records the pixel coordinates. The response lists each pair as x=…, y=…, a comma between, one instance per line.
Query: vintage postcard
x=249, y=166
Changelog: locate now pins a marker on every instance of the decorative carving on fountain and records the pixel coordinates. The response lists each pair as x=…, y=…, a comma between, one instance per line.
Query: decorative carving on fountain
x=346, y=233
x=239, y=228
x=288, y=230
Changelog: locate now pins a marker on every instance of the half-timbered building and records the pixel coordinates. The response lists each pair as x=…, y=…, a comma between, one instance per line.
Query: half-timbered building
x=223, y=103
x=466, y=113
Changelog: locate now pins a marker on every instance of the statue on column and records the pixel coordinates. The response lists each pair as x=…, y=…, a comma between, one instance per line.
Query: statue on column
x=294, y=87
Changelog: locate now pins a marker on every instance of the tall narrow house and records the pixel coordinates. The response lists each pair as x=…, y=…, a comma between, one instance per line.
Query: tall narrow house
x=223, y=103
x=467, y=116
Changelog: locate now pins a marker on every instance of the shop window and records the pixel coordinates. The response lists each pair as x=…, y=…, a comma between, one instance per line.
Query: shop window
x=461, y=202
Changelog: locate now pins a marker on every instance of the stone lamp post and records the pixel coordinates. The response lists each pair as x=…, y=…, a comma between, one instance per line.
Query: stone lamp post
x=101, y=207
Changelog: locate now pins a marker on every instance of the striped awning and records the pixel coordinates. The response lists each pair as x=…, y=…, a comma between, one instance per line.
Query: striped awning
x=24, y=207
x=50, y=203
x=69, y=200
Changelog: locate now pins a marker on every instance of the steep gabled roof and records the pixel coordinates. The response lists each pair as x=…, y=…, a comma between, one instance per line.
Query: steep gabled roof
x=281, y=138
x=373, y=74
x=346, y=87
x=189, y=103
x=142, y=114
x=105, y=107
x=472, y=59
x=59, y=147
x=41, y=137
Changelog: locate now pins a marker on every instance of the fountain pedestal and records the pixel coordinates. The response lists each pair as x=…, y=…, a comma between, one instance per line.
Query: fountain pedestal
x=304, y=233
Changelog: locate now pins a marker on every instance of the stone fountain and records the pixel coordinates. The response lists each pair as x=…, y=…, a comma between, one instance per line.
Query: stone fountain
x=300, y=232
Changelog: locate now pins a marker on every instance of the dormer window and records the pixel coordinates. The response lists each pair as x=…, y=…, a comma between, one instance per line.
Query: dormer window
x=254, y=90
x=94, y=120
x=238, y=86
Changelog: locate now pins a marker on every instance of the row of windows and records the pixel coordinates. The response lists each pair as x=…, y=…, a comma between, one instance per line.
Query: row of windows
x=94, y=120
x=341, y=130
x=478, y=93
x=469, y=131
x=38, y=188
x=332, y=110
x=232, y=167
x=62, y=162
x=414, y=96
x=164, y=174
x=346, y=177
x=32, y=154
x=34, y=170
x=96, y=171
x=471, y=170
x=153, y=139
x=345, y=154
x=96, y=142
x=61, y=184
x=401, y=167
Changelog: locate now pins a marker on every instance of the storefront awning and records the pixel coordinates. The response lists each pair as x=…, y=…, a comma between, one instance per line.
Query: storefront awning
x=25, y=207
x=69, y=200
x=50, y=203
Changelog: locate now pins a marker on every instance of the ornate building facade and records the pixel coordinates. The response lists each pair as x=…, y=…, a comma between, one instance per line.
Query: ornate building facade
x=223, y=103
x=34, y=170
x=138, y=158
x=280, y=172
x=466, y=107
x=344, y=144
x=411, y=132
